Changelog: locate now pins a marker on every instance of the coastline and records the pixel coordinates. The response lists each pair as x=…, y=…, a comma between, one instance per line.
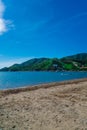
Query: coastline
x=43, y=86
x=54, y=106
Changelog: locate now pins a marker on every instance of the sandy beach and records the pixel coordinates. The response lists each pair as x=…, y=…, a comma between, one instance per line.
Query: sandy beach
x=54, y=106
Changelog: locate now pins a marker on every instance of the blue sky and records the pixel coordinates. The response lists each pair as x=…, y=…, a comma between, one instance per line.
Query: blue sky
x=41, y=28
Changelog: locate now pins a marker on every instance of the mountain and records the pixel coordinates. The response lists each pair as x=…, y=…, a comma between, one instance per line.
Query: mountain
x=81, y=58
x=37, y=64
x=74, y=62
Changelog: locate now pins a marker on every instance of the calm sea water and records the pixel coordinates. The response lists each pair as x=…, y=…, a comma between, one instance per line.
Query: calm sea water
x=20, y=79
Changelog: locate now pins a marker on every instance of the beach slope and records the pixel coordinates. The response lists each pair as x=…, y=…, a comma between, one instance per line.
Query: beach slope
x=57, y=106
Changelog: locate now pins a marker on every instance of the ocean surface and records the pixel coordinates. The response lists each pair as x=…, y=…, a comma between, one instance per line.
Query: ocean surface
x=21, y=79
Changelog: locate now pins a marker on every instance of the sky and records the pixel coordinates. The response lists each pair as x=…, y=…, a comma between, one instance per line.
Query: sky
x=41, y=28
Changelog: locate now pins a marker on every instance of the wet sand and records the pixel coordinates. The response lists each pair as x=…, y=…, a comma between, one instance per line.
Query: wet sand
x=54, y=106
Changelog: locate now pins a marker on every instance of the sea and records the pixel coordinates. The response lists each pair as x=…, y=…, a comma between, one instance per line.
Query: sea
x=11, y=80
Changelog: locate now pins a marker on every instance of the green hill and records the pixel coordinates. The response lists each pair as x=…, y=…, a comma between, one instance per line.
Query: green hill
x=79, y=60
x=74, y=62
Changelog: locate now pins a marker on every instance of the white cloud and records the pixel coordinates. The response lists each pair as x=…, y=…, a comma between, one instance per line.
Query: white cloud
x=5, y=25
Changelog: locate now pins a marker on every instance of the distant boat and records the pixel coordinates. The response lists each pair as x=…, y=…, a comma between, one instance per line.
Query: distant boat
x=62, y=73
x=66, y=74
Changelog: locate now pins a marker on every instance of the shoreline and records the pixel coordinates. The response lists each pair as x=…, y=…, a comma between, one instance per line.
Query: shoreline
x=54, y=106
x=40, y=86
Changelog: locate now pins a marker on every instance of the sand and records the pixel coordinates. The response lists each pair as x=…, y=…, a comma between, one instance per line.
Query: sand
x=56, y=106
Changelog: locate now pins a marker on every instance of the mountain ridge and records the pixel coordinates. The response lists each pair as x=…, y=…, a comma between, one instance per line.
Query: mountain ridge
x=77, y=62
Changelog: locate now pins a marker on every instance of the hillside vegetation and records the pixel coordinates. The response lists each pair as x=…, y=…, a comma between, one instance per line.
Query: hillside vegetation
x=75, y=63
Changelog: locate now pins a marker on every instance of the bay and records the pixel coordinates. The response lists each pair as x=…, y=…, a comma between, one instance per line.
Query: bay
x=20, y=79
